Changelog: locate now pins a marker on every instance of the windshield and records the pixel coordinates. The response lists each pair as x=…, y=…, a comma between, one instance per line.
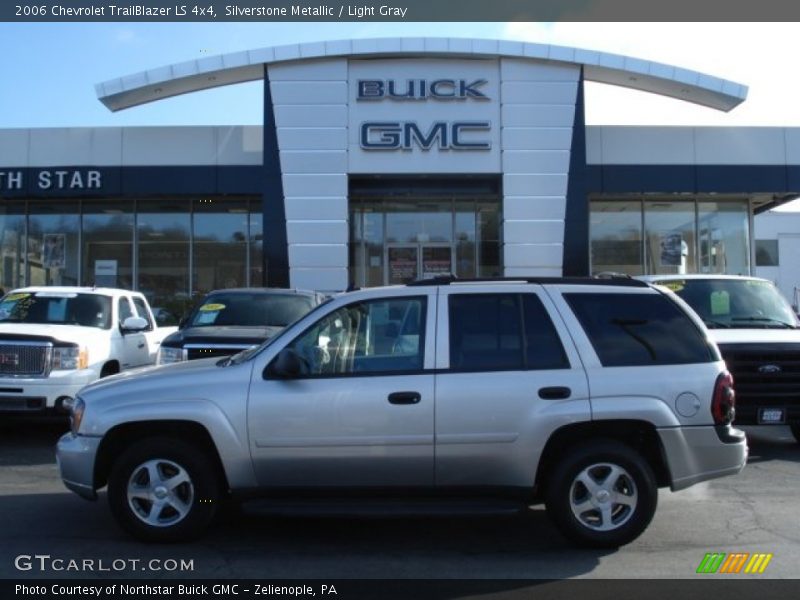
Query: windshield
x=735, y=303
x=250, y=310
x=253, y=350
x=57, y=308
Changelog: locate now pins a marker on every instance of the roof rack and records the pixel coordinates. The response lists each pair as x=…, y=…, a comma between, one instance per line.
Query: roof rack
x=606, y=279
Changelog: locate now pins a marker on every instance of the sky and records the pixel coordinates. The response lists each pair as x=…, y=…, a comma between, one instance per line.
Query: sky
x=49, y=70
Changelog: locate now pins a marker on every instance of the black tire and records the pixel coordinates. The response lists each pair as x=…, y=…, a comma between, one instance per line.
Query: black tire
x=795, y=432
x=619, y=522
x=172, y=460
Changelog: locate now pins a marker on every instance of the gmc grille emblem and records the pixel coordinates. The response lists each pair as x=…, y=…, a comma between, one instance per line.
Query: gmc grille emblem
x=769, y=369
x=9, y=359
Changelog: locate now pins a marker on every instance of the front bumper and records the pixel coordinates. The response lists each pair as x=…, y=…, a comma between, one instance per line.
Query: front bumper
x=33, y=395
x=75, y=455
x=696, y=454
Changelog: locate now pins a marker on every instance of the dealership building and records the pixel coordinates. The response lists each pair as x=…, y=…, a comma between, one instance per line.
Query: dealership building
x=383, y=161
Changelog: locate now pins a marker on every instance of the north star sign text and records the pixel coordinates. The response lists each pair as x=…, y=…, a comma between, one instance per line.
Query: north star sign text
x=67, y=179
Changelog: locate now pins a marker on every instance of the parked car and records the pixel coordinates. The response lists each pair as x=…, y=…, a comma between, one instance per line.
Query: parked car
x=758, y=336
x=587, y=395
x=228, y=321
x=55, y=340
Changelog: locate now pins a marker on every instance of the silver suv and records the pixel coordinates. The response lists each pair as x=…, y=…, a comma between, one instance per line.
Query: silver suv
x=585, y=394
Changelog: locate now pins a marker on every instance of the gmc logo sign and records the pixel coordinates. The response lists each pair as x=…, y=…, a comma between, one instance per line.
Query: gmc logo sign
x=444, y=135
x=11, y=360
x=421, y=89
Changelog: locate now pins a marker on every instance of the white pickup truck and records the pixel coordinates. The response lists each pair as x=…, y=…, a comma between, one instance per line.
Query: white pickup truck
x=56, y=340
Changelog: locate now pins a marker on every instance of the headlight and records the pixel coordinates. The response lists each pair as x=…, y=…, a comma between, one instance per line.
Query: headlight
x=76, y=415
x=167, y=355
x=70, y=358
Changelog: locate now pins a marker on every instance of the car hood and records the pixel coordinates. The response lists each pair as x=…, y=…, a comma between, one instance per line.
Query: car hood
x=65, y=333
x=154, y=374
x=246, y=336
x=755, y=336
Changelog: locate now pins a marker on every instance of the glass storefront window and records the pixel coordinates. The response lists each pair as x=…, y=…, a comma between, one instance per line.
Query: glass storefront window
x=466, y=250
x=256, y=244
x=219, y=248
x=655, y=236
x=373, y=243
x=397, y=241
x=489, y=250
x=53, y=243
x=722, y=229
x=12, y=245
x=419, y=221
x=616, y=236
x=670, y=242
x=107, y=238
x=163, y=236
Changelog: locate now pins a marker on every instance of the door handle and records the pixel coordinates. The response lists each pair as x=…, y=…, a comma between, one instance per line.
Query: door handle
x=404, y=398
x=554, y=393
x=140, y=345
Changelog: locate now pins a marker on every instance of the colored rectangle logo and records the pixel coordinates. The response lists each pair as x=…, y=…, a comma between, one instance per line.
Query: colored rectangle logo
x=734, y=563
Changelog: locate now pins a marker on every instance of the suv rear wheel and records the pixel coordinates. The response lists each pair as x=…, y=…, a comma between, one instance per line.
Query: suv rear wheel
x=602, y=494
x=164, y=490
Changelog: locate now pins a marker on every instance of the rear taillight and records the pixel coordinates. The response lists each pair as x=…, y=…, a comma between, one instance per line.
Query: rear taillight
x=723, y=404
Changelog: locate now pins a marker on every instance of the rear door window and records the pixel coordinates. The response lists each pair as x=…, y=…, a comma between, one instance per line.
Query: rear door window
x=493, y=332
x=639, y=329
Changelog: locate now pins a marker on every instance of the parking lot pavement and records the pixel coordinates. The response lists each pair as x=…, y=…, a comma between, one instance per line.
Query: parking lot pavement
x=755, y=511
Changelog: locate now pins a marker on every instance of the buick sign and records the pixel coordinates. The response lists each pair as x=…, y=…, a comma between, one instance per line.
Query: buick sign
x=769, y=369
x=421, y=89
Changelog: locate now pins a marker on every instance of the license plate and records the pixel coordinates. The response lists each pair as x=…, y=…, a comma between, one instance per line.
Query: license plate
x=769, y=416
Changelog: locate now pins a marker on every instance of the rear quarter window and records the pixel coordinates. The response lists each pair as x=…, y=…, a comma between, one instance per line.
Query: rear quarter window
x=639, y=329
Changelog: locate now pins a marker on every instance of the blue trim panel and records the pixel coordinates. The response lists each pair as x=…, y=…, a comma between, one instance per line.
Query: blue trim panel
x=576, y=218
x=138, y=181
x=697, y=179
x=276, y=247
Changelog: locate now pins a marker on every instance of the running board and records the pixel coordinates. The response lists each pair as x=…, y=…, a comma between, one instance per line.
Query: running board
x=383, y=507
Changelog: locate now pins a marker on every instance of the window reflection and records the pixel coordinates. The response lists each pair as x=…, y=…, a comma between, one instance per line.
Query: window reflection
x=12, y=244
x=163, y=230
x=724, y=241
x=53, y=243
x=616, y=231
x=657, y=236
x=671, y=245
x=219, y=249
x=107, y=244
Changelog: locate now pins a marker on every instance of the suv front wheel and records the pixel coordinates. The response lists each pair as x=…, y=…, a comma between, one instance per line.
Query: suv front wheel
x=602, y=494
x=164, y=490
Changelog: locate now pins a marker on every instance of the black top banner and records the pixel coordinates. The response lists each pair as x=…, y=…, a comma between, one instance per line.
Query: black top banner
x=398, y=10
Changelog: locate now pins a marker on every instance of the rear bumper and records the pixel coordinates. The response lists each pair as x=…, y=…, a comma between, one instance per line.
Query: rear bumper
x=75, y=455
x=696, y=454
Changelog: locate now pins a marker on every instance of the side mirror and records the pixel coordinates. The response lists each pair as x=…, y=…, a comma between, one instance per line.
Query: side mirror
x=287, y=365
x=182, y=323
x=133, y=324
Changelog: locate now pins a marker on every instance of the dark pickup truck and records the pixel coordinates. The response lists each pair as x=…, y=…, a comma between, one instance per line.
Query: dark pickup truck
x=229, y=321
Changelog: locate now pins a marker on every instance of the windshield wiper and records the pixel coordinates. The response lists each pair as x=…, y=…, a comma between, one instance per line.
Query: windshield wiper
x=783, y=324
x=716, y=324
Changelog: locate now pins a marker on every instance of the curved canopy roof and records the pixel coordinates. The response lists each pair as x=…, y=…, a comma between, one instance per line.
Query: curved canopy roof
x=238, y=67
